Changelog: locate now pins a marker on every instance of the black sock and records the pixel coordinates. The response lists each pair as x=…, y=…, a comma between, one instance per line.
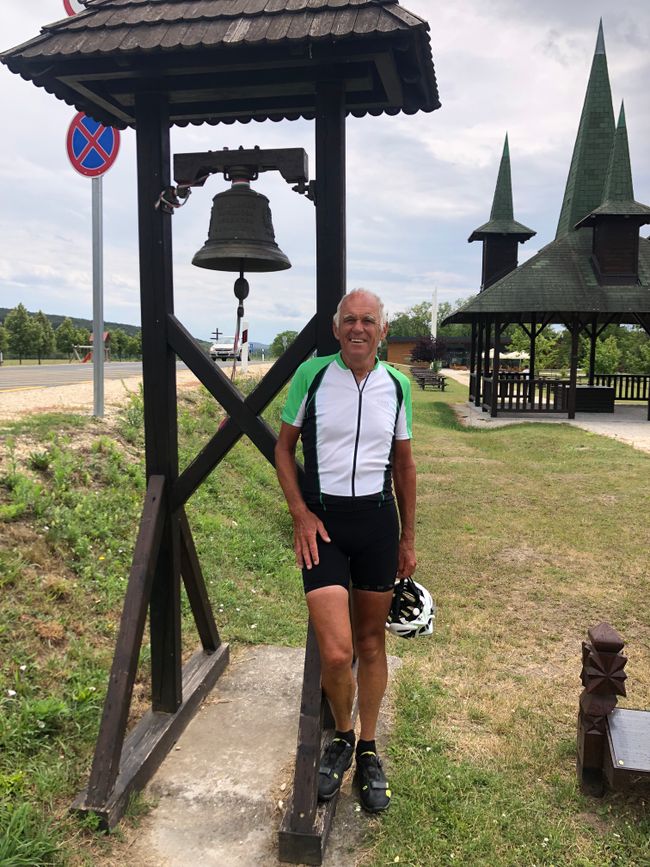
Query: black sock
x=346, y=736
x=366, y=747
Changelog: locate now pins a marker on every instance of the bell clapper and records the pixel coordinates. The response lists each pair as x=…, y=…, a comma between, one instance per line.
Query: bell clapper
x=241, y=290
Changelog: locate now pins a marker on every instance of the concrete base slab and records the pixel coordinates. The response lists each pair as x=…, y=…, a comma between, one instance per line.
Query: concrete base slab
x=219, y=793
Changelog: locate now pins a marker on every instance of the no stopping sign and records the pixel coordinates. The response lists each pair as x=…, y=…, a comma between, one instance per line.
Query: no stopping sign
x=92, y=147
x=73, y=6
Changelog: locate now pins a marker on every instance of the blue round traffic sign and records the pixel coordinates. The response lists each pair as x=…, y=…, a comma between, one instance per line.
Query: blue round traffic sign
x=92, y=147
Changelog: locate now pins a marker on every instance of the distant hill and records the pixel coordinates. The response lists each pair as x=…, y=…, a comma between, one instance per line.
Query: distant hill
x=56, y=320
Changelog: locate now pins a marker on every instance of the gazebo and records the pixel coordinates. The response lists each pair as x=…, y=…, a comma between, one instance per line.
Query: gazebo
x=149, y=64
x=595, y=273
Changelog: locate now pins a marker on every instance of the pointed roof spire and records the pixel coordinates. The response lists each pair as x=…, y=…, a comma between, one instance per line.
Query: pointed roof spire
x=618, y=196
x=618, y=186
x=501, y=220
x=590, y=160
x=600, y=41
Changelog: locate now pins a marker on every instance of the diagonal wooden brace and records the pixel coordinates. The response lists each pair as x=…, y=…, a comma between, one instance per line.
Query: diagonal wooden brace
x=125, y=662
x=196, y=590
x=220, y=387
x=226, y=437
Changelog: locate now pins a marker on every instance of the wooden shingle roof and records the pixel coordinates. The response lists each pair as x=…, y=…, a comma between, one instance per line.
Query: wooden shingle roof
x=502, y=221
x=227, y=60
x=560, y=279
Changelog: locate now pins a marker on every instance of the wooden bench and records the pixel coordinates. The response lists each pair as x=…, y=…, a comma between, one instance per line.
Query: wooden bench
x=425, y=377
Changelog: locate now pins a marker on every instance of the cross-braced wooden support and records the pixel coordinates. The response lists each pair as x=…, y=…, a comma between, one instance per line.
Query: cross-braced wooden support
x=165, y=549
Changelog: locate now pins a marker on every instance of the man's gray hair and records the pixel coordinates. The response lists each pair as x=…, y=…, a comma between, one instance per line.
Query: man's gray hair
x=383, y=318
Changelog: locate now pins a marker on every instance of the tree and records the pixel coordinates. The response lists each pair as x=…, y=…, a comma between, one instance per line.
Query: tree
x=66, y=337
x=44, y=334
x=4, y=339
x=608, y=355
x=21, y=332
x=427, y=349
x=280, y=342
x=133, y=345
x=119, y=343
x=414, y=322
x=445, y=309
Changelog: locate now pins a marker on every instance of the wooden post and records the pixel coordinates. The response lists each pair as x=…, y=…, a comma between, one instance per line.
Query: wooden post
x=472, y=360
x=603, y=680
x=159, y=382
x=495, y=369
x=573, y=371
x=532, y=361
x=488, y=340
x=479, y=366
x=330, y=211
x=305, y=826
x=592, y=348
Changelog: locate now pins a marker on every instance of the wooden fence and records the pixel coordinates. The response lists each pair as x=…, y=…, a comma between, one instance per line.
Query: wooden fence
x=526, y=395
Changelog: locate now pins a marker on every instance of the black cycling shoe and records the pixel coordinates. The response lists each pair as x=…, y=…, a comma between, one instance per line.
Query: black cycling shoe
x=336, y=759
x=373, y=788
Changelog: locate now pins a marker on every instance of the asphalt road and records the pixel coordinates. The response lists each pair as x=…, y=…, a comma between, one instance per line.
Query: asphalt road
x=18, y=377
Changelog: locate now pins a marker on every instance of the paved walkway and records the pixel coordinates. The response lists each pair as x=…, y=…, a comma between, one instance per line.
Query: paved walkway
x=628, y=424
x=220, y=793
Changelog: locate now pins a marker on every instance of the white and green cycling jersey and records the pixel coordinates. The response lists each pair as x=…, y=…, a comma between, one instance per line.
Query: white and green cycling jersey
x=348, y=429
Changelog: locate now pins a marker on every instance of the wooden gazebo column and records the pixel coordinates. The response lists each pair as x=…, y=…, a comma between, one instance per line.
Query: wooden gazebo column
x=573, y=366
x=306, y=823
x=496, y=363
x=532, y=361
x=478, y=391
x=472, y=361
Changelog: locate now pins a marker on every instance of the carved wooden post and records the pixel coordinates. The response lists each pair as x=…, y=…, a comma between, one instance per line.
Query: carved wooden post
x=603, y=679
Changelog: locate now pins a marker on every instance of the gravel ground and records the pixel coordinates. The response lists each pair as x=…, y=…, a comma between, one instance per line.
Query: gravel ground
x=78, y=398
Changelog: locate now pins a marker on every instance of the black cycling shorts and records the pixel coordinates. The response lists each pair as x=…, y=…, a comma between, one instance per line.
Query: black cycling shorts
x=363, y=550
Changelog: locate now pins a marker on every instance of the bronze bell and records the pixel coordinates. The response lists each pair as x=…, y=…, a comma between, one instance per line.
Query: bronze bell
x=241, y=236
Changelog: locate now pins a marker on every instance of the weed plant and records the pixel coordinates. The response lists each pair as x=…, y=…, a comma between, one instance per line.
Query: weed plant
x=527, y=536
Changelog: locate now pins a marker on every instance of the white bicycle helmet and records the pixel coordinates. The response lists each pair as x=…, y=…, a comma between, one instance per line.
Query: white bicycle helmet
x=412, y=612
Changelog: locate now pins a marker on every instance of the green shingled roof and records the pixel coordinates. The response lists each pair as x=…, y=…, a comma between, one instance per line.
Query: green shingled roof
x=561, y=279
x=590, y=161
x=501, y=220
x=618, y=197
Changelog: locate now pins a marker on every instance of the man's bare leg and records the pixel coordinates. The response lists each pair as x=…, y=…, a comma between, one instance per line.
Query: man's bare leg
x=330, y=615
x=370, y=610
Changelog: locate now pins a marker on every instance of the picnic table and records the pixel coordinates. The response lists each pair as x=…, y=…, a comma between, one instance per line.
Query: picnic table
x=425, y=377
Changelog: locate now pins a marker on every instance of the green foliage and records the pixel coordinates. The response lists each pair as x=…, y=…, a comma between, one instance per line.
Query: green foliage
x=66, y=337
x=445, y=308
x=280, y=342
x=416, y=321
x=4, y=339
x=608, y=355
x=21, y=332
x=413, y=322
x=44, y=336
x=27, y=839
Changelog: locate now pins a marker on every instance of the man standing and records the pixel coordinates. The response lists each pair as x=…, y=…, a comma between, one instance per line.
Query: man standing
x=354, y=415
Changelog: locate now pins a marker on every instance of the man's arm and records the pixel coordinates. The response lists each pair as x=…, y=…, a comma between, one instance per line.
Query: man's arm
x=306, y=526
x=405, y=490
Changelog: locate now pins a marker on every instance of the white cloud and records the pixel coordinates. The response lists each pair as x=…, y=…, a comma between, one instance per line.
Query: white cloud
x=417, y=186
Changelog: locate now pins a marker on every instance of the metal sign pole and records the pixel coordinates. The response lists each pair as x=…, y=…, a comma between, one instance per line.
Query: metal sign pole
x=98, y=299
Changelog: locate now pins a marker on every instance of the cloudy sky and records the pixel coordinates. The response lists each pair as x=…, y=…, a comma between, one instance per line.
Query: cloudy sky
x=417, y=186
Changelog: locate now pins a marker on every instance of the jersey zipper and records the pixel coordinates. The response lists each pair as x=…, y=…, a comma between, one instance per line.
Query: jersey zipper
x=356, y=439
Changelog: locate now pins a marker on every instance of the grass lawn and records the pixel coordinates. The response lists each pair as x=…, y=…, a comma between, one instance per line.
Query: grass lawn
x=527, y=535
